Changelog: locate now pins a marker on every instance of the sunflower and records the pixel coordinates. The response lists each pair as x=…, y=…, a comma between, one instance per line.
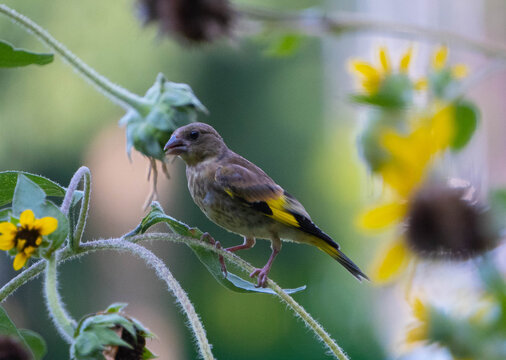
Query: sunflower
x=26, y=236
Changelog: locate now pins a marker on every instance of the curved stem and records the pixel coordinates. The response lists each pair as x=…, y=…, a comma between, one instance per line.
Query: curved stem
x=62, y=320
x=34, y=270
x=115, y=92
x=314, y=22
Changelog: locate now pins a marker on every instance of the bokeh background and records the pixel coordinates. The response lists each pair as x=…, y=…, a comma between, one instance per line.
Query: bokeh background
x=290, y=115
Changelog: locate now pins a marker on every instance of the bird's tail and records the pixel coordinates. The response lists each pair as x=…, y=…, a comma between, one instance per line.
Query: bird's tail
x=342, y=259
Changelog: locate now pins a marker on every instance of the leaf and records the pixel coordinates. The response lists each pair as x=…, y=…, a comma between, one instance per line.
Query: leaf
x=9, y=179
x=466, y=121
x=12, y=57
x=209, y=258
x=497, y=203
x=115, y=308
x=284, y=45
x=35, y=342
x=29, y=339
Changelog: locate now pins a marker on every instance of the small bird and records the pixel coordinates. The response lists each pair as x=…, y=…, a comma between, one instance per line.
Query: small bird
x=238, y=196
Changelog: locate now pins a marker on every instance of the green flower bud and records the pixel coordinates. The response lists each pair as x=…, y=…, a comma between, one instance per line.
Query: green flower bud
x=172, y=105
x=110, y=335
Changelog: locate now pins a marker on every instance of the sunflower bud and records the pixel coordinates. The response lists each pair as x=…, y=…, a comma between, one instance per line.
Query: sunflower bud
x=171, y=106
x=442, y=223
x=192, y=20
x=111, y=335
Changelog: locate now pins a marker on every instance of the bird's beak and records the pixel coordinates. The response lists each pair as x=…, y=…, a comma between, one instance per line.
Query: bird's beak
x=175, y=146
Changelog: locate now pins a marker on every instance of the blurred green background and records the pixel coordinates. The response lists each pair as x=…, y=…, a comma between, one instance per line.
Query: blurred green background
x=274, y=111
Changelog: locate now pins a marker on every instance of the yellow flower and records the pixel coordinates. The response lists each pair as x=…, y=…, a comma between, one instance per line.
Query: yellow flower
x=439, y=60
x=26, y=237
x=420, y=330
x=404, y=173
x=372, y=76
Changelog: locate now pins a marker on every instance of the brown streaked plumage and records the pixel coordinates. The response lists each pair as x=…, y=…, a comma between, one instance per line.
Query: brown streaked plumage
x=238, y=196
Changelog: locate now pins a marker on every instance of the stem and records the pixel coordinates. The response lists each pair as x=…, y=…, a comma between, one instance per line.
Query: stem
x=84, y=173
x=62, y=320
x=34, y=270
x=116, y=93
x=314, y=22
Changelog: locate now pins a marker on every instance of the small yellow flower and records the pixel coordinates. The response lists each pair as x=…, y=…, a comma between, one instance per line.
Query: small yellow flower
x=372, y=76
x=26, y=237
x=420, y=330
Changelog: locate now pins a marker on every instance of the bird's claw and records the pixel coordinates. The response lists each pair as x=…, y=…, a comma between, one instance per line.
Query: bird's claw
x=208, y=238
x=262, y=276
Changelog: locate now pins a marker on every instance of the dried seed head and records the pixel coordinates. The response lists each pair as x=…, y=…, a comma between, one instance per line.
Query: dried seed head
x=192, y=20
x=12, y=349
x=442, y=224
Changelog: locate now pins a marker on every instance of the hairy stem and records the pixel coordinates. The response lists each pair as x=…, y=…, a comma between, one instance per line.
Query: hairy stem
x=314, y=22
x=84, y=173
x=34, y=270
x=116, y=93
x=62, y=320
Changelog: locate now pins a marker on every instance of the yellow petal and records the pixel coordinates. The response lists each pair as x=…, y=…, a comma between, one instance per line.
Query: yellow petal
x=38, y=241
x=421, y=84
x=20, y=261
x=384, y=59
x=443, y=128
x=364, y=69
x=29, y=250
x=417, y=333
x=440, y=56
x=391, y=262
x=46, y=225
x=20, y=244
x=419, y=310
x=8, y=233
x=27, y=218
x=382, y=216
x=405, y=61
x=460, y=71
x=403, y=180
x=6, y=243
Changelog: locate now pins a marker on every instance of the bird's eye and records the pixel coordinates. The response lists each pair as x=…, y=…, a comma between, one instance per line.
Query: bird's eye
x=194, y=135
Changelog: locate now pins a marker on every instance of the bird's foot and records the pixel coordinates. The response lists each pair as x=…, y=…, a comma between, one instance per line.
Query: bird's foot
x=208, y=238
x=262, y=276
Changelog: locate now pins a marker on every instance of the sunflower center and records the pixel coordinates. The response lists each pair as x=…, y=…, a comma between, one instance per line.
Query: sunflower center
x=30, y=235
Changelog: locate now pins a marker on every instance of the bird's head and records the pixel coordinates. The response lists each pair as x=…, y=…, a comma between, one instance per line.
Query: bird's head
x=195, y=142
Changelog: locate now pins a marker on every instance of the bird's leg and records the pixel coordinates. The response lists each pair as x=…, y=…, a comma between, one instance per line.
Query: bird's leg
x=247, y=244
x=263, y=272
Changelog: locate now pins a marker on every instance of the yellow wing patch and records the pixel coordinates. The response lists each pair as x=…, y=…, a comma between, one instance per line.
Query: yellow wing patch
x=279, y=212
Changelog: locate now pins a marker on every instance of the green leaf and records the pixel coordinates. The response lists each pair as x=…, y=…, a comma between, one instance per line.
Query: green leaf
x=9, y=179
x=209, y=258
x=115, y=308
x=32, y=341
x=147, y=354
x=35, y=342
x=12, y=57
x=396, y=92
x=284, y=45
x=466, y=121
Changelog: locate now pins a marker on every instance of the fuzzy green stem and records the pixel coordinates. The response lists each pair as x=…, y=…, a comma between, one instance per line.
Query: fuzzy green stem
x=62, y=320
x=316, y=22
x=82, y=173
x=33, y=271
x=116, y=93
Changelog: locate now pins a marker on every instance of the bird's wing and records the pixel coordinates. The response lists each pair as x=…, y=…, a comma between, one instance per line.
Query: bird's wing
x=252, y=186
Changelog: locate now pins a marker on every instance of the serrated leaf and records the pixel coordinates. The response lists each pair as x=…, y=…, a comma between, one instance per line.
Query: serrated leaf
x=209, y=258
x=466, y=122
x=35, y=342
x=9, y=179
x=12, y=57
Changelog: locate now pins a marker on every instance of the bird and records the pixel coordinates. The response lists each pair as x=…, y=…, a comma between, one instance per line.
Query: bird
x=240, y=197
